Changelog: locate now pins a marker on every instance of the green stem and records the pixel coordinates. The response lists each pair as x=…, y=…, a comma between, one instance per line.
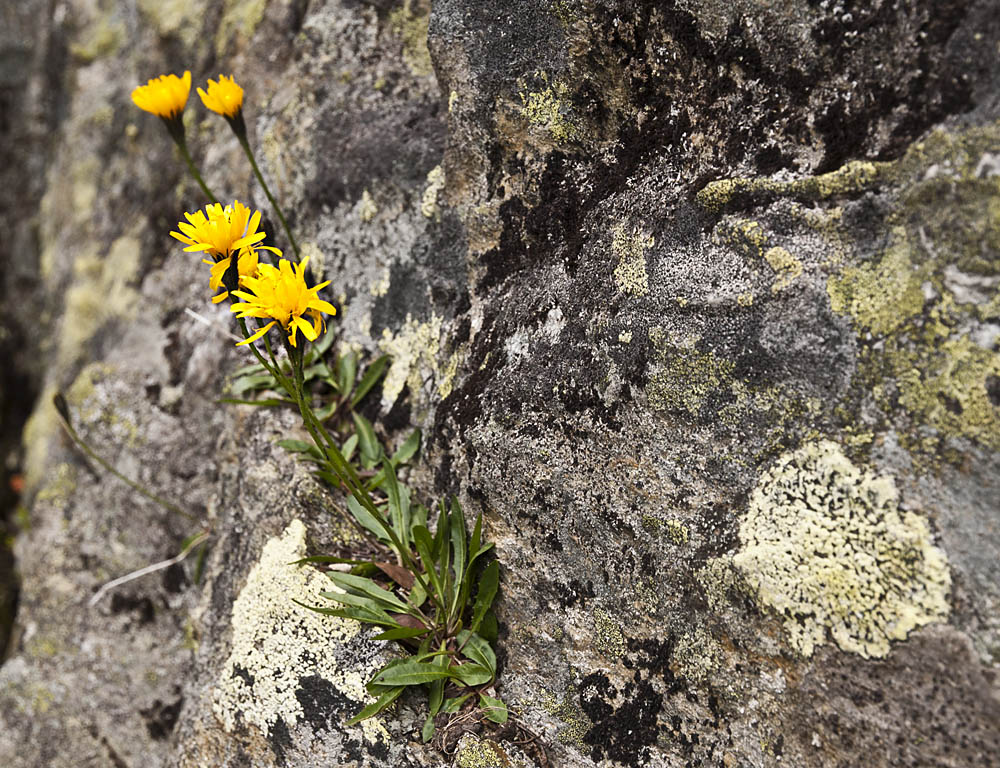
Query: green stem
x=182, y=146
x=267, y=191
x=79, y=442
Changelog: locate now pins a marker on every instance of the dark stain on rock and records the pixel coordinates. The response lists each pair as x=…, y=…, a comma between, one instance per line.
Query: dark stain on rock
x=322, y=703
x=280, y=740
x=624, y=724
x=161, y=718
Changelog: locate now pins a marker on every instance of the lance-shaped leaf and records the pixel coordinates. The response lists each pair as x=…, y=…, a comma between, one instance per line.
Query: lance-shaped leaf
x=488, y=584
x=472, y=674
x=495, y=709
x=372, y=375
x=411, y=673
x=476, y=648
x=378, y=705
x=367, y=587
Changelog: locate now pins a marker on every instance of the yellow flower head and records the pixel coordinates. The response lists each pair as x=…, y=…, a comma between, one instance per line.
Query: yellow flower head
x=224, y=97
x=280, y=294
x=164, y=96
x=220, y=232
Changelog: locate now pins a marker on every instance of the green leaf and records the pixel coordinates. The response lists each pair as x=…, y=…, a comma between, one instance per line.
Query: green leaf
x=246, y=369
x=477, y=649
x=300, y=446
x=365, y=518
x=378, y=705
x=417, y=595
x=350, y=445
x=402, y=633
x=451, y=706
x=372, y=375
x=411, y=673
x=371, y=449
x=347, y=372
x=326, y=559
x=367, y=605
x=408, y=449
x=267, y=402
x=458, y=544
x=317, y=370
x=399, y=504
x=427, y=732
x=488, y=629
x=488, y=583
x=422, y=538
x=350, y=612
x=495, y=709
x=324, y=413
x=472, y=674
x=252, y=382
x=321, y=346
x=199, y=564
x=367, y=587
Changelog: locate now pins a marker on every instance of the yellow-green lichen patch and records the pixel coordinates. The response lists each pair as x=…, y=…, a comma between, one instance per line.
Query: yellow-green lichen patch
x=697, y=655
x=882, y=296
x=785, y=266
x=239, y=20
x=429, y=200
x=569, y=711
x=180, y=18
x=411, y=26
x=677, y=532
x=683, y=376
x=103, y=36
x=825, y=545
x=610, y=640
x=474, y=752
x=855, y=176
x=549, y=109
x=414, y=349
x=277, y=642
x=630, y=248
x=947, y=386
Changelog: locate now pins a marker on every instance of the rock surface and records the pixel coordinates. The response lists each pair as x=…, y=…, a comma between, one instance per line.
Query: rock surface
x=696, y=301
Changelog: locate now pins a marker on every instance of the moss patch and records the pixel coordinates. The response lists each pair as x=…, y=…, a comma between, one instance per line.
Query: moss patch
x=825, y=545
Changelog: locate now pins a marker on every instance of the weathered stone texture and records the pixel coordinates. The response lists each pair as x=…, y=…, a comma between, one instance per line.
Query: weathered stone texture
x=696, y=301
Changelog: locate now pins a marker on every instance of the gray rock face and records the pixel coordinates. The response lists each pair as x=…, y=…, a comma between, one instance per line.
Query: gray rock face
x=697, y=302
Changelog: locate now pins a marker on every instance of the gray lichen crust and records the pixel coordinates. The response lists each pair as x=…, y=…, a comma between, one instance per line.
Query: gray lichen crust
x=826, y=546
x=276, y=643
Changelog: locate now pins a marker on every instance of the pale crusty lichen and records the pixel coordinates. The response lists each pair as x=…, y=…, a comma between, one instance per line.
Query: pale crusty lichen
x=474, y=752
x=367, y=209
x=630, y=248
x=825, y=545
x=610, y=640
x=429, y=200
x=697, y=655
x=785, y=266
x=414, y=351
x=277, y=642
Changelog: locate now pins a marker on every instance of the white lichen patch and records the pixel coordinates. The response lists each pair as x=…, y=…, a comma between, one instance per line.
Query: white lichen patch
x=367, y=209
x=276, y=642
x=414, y=351
x=435, y=183
x=630, y=275
x=825, y=545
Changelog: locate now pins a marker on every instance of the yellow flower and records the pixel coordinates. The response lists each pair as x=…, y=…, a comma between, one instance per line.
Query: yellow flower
x=280, y=293
x=164, y=96
x=221, y=232
x=224, y=97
